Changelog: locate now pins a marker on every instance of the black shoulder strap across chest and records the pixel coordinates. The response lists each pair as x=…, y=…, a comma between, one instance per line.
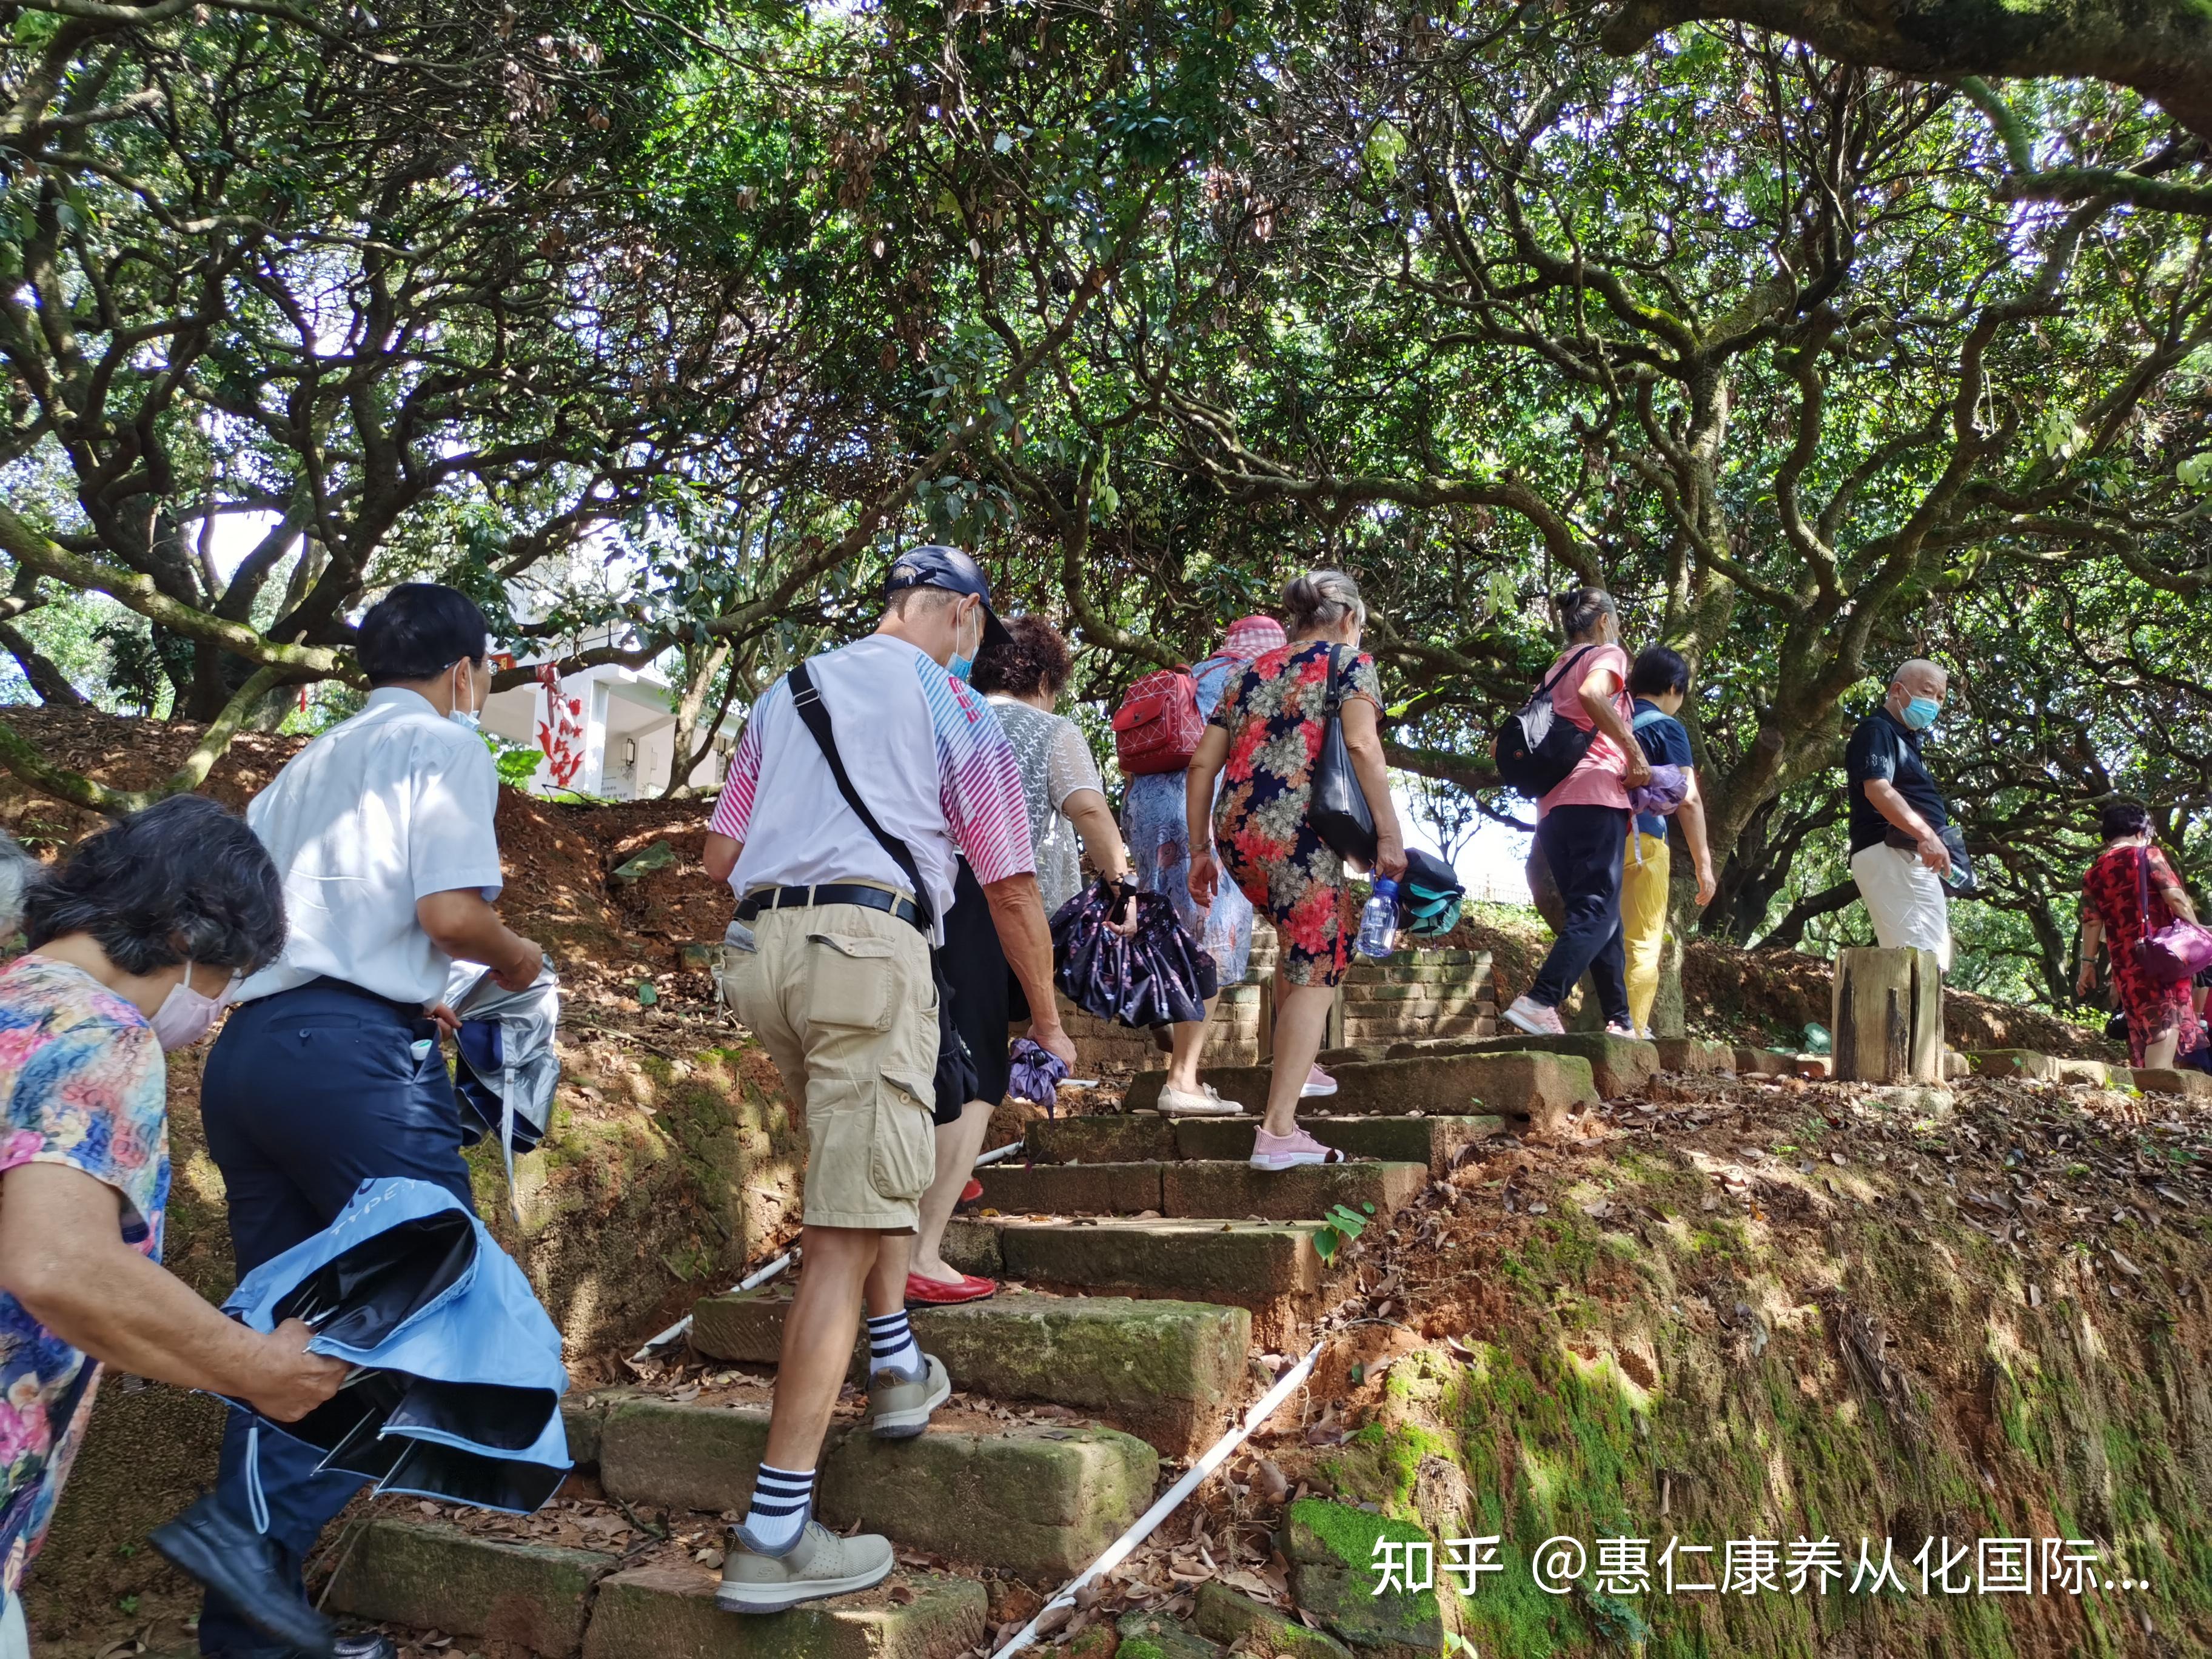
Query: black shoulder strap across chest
x=807, y=701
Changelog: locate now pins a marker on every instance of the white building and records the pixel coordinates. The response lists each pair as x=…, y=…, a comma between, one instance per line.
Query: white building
x=629, y=730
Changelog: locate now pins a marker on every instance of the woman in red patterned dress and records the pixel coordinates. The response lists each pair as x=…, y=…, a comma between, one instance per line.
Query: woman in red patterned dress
x=1268, y=730
x=2162, y=1023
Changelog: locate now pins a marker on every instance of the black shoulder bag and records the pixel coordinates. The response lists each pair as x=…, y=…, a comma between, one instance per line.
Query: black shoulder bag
x=1338, y=808
x=956, y=1078
x=1534, y=749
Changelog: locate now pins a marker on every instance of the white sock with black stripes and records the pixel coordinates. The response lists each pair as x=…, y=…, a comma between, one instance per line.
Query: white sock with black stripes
x=782, y=1501
x=891, y=1347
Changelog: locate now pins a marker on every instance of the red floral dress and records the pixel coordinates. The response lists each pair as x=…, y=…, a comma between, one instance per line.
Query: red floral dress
x=2114, y=888
x=1273, y=713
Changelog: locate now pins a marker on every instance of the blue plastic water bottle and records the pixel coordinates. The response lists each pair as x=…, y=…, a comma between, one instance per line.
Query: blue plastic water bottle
x=1378, y=922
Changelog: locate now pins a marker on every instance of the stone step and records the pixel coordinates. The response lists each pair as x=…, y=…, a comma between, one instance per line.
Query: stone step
x=1458, y=1079
x=1618, y=1065
x=1690, y=1054
x=669, y=1613
x=2197, y=1085
x=1179, y=1189
x=1165, y=1371
x=533, y=1598
x=1764, y=1062
x=2049, y=1068
x=431, y=1575
x=1037, y=1501
x=1129, y=1138
x=1269, y=1269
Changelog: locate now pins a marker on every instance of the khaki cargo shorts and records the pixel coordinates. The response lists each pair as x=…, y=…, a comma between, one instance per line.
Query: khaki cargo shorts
x=841, y=998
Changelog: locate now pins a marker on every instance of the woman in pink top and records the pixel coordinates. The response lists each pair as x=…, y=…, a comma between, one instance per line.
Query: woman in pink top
x=1583, y=824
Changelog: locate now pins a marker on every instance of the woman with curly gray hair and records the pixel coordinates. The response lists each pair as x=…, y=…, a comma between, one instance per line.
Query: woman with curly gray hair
x=1266, y=734
x=136, y=940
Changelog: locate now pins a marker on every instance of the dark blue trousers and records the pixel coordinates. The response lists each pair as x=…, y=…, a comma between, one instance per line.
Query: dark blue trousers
x=1584, y=845
x=306, y=1095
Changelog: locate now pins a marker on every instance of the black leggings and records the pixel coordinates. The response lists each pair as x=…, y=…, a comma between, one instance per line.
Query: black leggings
x=1583, y=846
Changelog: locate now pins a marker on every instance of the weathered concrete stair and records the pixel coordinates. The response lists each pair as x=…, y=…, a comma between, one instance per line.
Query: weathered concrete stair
x=1540, y=1087
x=556, y=1602
x=1171, y=1287
x=1166, y=1372
x=1618, y=1066
x=1125, y=1138
x=1040, y=1501
x=1270, y=1268
x=1186, y=1189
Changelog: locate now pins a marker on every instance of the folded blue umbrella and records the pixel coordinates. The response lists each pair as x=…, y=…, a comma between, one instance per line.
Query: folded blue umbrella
x=456, y=1393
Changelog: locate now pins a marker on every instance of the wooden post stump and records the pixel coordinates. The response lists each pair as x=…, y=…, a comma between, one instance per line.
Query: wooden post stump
x=1888, y=1017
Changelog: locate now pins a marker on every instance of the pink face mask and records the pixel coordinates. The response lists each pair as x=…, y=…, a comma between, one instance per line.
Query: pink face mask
x=185, y=1015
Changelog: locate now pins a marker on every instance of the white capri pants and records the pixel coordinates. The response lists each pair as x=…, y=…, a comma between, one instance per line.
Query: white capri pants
x=1909, y=908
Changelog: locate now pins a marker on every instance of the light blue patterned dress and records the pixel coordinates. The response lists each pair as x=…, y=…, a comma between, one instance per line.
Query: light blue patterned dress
x=1159, y=845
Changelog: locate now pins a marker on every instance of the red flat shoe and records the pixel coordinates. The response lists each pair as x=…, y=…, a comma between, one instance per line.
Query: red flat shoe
x=935, y=1293
x=971, y=1191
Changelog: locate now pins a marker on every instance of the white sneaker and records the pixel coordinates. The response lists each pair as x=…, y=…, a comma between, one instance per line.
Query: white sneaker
x=1317, y=1082
x=1206, y=1102
x=1535, y=1018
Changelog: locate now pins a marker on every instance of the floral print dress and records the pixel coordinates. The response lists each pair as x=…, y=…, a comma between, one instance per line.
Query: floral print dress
x=1274, y=715
x=2112, y=892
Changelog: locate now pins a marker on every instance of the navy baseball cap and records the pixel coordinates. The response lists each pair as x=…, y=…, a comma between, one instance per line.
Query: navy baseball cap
x=950, y=568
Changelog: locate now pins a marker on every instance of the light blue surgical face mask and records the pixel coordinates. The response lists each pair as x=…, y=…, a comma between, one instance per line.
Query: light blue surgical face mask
x=1920, y=714
x=963, y=664
x=469, y=719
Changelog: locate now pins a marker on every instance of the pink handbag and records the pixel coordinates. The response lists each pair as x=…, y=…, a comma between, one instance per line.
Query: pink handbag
x=2178, y=951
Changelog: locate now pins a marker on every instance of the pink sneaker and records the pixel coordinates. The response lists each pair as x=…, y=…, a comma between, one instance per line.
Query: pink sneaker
x=1318, y=1082
x=1536, y=1018
x=1289, y=1152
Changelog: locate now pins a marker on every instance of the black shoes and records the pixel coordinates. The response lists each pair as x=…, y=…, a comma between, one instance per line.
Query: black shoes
x=211, y=1545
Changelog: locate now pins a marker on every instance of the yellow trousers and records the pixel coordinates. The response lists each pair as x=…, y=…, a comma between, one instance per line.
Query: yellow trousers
x=1643, y=921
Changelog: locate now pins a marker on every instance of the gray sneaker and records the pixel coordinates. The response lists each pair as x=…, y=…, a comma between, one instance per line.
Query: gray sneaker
x=820, y=1564
x=898, y=1409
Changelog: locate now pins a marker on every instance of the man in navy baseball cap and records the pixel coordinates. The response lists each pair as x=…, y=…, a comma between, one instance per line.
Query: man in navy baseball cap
x=950, y=568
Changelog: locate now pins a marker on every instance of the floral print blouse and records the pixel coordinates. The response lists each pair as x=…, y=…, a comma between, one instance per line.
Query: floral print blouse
x=85, y=1085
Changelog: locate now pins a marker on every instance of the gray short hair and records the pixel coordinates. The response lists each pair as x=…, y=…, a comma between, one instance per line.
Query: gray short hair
x=1322, y=598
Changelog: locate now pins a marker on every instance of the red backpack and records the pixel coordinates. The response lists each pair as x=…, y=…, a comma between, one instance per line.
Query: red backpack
x=1157, y=726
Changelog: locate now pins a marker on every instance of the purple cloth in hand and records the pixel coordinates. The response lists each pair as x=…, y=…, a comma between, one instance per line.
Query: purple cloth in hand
x=1034, y=1073
x=1669, y=788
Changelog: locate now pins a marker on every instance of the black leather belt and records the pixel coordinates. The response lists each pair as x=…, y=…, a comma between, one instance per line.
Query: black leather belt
x=829, y=892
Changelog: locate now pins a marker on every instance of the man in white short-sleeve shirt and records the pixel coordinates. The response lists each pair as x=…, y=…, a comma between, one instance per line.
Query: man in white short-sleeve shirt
x=329, y=1073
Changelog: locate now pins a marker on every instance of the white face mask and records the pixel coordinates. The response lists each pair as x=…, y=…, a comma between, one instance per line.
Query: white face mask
x=469, y=719
x=185, y=1015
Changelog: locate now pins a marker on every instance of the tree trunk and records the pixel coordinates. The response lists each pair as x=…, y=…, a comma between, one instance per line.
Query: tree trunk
x=1888, y=1017
x=45, y=676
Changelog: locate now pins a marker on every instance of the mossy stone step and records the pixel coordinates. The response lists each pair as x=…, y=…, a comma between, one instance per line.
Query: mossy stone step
x=1271, y=1268
x=1038, y=1501
x=1163, y=1371
x=1331, y=1549
x=531, y=1597
x=1542, y=1087
x=1178, y=1190
x=2048, y=1068
x=669, y=1613
x=1690, y=1054
x=1618, y=1065
x=1137, y=1136
x=1238, y=1622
